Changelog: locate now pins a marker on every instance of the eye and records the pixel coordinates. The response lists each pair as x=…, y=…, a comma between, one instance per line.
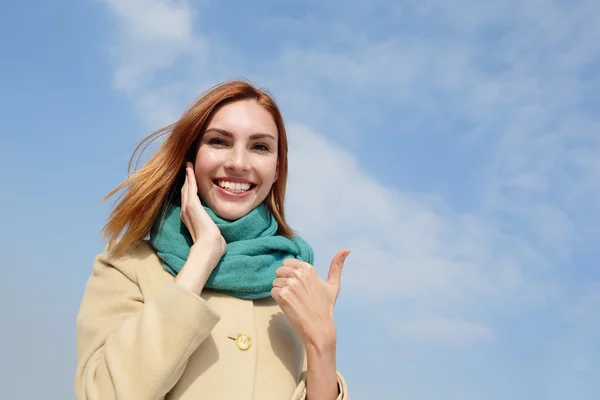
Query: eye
x=217, y=142
x=261, y=147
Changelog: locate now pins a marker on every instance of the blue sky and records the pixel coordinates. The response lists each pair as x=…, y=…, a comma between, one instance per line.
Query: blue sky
x=453, y=145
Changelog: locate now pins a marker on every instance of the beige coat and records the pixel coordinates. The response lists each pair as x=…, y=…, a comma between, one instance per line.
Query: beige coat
x=141, y=336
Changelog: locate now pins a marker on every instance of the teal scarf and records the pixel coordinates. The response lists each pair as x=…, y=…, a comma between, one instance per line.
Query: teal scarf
x=254, y=251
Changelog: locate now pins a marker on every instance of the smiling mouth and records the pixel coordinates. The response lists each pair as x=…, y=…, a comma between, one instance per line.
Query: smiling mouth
x=234, y=187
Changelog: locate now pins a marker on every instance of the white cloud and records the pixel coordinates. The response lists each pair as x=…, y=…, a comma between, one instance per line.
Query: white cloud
x=155, y=20
x=406, y=247
x=155, y=37
x=154, y=34
x=513, y=71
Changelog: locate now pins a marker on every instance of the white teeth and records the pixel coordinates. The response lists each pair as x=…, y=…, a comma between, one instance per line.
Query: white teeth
x=235, y=187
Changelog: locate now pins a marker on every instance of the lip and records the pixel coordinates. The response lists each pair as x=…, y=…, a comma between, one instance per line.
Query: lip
x=230, y=195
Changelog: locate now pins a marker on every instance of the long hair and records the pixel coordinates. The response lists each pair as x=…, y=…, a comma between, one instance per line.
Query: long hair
x=149, y=190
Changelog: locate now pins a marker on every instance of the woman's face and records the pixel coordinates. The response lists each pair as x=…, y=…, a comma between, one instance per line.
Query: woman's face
x=236, y=163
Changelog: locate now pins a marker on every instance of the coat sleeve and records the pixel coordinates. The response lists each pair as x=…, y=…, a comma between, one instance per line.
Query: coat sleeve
x=300, y=392
x=131, y=347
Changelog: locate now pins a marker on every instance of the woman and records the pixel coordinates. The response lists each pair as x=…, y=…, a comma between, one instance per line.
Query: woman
x=204, y=291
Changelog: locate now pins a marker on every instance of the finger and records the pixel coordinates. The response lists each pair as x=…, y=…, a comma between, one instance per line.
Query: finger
x=280, y=282
x=192, y=187
x=337, y=264
x=193, y=197
x=184, y=192
x=190, y=169
x=285, y=272
x=276, y=294
x=293, y=263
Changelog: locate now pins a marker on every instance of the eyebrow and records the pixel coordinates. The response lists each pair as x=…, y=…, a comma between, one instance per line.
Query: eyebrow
x=229, y=134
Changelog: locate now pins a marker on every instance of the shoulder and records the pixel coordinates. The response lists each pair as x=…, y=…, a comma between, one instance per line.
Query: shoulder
x=128, y=262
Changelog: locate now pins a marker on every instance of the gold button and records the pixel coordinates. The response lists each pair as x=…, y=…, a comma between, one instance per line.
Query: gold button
x=243, y=341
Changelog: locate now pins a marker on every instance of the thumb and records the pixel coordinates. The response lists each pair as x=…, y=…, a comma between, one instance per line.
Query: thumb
x=337, y=264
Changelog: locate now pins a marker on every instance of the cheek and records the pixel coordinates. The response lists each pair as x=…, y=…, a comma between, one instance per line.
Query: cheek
x=269, y=171
x=206, y=162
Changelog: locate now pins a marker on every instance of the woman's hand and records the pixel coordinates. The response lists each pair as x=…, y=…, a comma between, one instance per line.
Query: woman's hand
x=209, y=245
x=308, y=301
x=196, y=219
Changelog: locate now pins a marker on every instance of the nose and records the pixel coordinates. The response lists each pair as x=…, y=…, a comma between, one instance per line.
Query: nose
x=237, y=159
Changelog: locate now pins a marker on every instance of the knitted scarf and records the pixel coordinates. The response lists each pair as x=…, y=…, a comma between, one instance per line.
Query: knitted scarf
x=254, y=250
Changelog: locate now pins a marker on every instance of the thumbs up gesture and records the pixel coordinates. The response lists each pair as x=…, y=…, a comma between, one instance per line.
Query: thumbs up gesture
x=306, y=300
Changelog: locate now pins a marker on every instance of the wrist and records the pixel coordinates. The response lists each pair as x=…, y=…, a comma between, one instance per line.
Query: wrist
x=197, y=269
x=321, y=378
x=203, y=257
x=322, y=342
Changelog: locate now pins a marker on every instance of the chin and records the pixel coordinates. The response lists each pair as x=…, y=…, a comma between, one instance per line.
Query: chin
x=232, y=212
